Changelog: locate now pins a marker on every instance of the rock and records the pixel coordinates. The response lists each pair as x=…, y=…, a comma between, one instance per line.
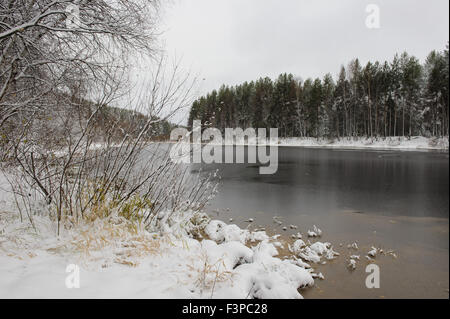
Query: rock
x=372, y=253
x=352, y=264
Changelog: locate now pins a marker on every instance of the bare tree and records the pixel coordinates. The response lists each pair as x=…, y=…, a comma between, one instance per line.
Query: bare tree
x=48, y=45
x=132, y=177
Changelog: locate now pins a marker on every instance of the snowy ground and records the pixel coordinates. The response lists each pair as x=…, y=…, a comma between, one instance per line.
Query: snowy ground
x=117, y=259
x=391, y=143
x=415, y=143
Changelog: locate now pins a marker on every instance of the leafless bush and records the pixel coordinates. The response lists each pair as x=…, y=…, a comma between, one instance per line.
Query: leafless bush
x=67, y=157
x=86, y=176
x=55, y=51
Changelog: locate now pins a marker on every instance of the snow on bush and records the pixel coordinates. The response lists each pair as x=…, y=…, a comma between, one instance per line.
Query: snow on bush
x=181, y=223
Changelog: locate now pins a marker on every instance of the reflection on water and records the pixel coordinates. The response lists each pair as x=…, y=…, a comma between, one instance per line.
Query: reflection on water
x=321, y=181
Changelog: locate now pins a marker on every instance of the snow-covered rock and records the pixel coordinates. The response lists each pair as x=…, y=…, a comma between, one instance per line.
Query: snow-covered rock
x=316, y=232
x=373, y=252
x=221, y=232
x=320, y=248
x=297, y=246
x=314, y=252
x=309, y=255
x=352, y=264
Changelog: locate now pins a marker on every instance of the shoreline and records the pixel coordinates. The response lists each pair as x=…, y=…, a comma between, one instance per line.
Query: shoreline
x=415, y=143
x=384, y=232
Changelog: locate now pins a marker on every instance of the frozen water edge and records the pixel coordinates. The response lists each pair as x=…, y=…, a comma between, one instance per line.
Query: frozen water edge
x=414, y=143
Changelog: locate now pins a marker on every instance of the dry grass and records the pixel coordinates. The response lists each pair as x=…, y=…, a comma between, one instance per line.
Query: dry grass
x=209, y=274
x=127, y=242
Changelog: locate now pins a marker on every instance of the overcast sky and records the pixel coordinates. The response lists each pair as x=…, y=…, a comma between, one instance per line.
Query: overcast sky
x=231, y=41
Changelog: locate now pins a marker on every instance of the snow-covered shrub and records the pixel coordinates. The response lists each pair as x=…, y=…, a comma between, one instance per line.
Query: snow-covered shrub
x=96, y=182
x=221, y=232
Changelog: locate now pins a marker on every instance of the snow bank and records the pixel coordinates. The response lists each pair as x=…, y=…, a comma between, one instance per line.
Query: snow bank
x=389, y=143
x=267, y=276
x=119, y=260
x=221, y=232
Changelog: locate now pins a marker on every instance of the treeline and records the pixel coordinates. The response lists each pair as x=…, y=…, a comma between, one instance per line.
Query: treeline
x=65, y=121
x=393, y=98
x=120, y=122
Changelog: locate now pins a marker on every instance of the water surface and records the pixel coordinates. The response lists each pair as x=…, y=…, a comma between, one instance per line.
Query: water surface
x=389, y=199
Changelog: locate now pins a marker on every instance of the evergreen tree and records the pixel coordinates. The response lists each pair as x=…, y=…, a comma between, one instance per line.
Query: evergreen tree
x=397, y=98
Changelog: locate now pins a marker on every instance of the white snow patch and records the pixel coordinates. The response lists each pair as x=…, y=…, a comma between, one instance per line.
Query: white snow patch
x=141, y=264
x=316, y=232
x=297, y=246
x=352, y=264
x=373, y=252
x=314, y=252
x=380, y=143
x=221, y=232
